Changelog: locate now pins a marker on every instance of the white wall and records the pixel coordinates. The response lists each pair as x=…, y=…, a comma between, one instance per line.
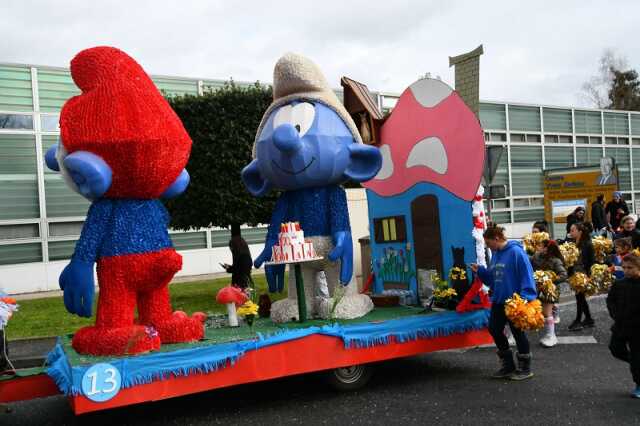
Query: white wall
x=37, y=277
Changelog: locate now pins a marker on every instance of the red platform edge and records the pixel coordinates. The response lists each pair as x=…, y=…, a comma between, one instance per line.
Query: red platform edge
x=309, y=354
x=29, y=387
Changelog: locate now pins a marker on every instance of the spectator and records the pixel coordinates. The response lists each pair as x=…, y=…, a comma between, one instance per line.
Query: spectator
x=598, y=215
x=586, y=259
x=623, y=303
x=509, y=272
x=576, y=217
x=616, y=209
x=540, y=226
x=240, y=270
x=628, y=230
x=622, y=247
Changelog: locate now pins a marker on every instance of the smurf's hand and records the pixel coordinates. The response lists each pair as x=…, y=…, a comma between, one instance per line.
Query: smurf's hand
x=78, y=285
x=343, y=250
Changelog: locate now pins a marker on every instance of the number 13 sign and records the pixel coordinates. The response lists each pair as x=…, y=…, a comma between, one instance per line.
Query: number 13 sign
x=101, y=382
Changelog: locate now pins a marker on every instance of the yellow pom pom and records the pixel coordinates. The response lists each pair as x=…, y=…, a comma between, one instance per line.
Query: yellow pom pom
x=570, y=253
x=523, y=314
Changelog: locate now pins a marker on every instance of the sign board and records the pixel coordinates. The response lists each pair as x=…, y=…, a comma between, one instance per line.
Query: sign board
x=565, y=189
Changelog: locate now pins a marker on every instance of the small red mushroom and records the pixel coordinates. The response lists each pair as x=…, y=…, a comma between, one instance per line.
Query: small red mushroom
x=232, y=297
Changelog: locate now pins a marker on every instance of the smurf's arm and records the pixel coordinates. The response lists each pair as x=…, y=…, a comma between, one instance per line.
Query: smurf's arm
x=274, y=273
x=76, y=279
x=341, y=233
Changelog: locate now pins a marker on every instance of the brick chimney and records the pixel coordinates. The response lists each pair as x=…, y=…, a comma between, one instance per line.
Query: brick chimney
x=467, y=73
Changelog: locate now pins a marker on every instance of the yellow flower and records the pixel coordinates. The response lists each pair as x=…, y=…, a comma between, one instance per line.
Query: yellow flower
x=457, y=273
x=249, y=308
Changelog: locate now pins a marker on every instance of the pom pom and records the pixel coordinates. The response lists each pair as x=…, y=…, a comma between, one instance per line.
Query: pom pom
x=601, y=277
x=602, y=247
x=531, y=240
x=582, y=284
x=545, y=283
x=570, y=253
x=523, y=314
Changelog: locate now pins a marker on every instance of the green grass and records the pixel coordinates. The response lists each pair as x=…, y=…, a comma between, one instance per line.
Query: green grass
x=47, y=316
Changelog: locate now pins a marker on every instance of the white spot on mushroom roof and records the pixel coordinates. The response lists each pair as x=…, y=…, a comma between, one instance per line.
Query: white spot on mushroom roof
x=387, y=163
x=430, y=92
x=429, y=153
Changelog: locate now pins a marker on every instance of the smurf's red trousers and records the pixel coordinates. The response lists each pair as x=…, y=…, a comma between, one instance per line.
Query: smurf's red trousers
x=130, y=281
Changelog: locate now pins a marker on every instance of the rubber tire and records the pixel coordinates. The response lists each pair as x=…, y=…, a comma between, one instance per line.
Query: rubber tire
x=349, y=378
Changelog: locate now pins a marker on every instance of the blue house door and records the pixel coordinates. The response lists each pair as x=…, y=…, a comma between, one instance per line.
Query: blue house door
x=426, y=233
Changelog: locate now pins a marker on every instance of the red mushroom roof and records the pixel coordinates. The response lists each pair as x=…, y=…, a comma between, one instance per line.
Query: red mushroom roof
x=431, y=136
x=230, y=294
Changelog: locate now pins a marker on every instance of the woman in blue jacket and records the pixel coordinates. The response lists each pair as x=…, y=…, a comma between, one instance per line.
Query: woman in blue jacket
x=509, y=272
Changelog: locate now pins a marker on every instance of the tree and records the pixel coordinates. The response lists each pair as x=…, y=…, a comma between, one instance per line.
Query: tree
x=625, y=90
x=222, y=124
x=596, y=90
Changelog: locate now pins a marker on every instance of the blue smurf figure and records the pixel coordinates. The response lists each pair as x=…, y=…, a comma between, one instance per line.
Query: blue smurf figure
x=306, y=146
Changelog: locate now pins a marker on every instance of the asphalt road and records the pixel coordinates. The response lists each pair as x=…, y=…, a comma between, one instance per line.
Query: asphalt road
x=573, y=384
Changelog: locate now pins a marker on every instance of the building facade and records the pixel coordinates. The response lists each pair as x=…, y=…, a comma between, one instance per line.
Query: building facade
x=41, y=219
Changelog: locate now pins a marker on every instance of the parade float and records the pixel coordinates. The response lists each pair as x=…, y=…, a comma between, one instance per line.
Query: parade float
x=422, y=170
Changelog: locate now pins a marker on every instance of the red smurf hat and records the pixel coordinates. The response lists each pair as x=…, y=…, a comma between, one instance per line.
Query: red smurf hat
x=122, y=117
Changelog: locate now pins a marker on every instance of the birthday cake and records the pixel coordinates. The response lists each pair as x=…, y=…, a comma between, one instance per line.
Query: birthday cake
x=292, y=247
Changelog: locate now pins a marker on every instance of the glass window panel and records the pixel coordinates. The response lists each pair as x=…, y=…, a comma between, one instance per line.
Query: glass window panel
x=175, y=86
x=520, y=202
x=595, y=140
x=13, y=232
x=501, y=217
x=254, y=235
x=500, y=204
x=19, y=197
x=635, y=124
x=62, y=201
x=17, y=154
x=47, y=142
x=582, y=139
x=16, y=121
x=557, y=120
x=558, y=157
x=587, y=121
x=20, y=253
x=15, y=89
x=636, y=167
x=492, y=116
x=529, y=215
x=636, y=141
x=518, y=137
x=610, y=140
x=538, y=202
x=550, y=139
x=588, y=156
x=526, y=170
x=55, y=87
x=498, y=137
x=502, y=172
x=524, y=118
x=61, y=229
x=49, y=123
x=621, y=156
x=61, y=250
x=616, y=123
x=189, y=240
x=533, y=138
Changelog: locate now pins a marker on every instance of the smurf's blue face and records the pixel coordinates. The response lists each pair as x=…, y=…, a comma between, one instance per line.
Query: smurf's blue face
x=304, y=145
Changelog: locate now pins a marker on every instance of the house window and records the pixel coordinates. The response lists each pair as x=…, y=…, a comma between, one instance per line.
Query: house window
x=390, y=229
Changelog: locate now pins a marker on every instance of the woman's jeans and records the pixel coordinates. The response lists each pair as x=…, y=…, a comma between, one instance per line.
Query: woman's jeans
x=497, y=321
x=582, y=307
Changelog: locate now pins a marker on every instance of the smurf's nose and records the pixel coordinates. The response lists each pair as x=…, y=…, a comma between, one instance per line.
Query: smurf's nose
x=286, y=138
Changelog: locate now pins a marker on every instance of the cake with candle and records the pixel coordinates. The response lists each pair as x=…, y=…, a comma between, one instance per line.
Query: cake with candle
x=291, y=246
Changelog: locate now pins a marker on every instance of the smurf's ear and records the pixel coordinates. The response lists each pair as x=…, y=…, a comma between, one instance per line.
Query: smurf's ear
x=90, y=173
x=253, y=180
x=178, y=186
x=50, y=158
x=365, y=162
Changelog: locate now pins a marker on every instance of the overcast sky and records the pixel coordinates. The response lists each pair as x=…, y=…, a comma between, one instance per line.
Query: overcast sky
x=538, y=53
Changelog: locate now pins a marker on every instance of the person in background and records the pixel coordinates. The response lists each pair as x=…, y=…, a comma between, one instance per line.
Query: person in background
x=240, y=269
x=623, y=304
x=616, y=209
x=598, y=214
x=622, y=247
x=509, y=272
x=628, y=230
x=539, y=226
x=581, y=236
x=576, y=217
x=548, y=258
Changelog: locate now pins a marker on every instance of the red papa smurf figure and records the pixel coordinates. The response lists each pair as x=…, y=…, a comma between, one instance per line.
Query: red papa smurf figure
x=122, y=147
